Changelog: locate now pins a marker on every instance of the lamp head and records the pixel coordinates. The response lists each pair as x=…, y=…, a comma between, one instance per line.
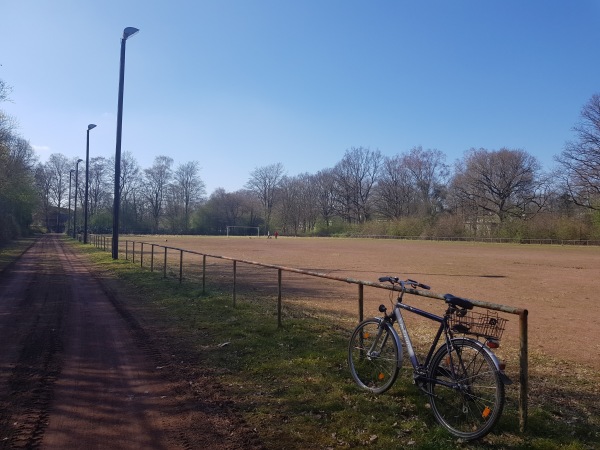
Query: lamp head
x=90, y=126
x=79, y=160
x=128, y=32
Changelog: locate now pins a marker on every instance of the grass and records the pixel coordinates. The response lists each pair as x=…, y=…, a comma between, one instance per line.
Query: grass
x=292, y=384
x=10, y=251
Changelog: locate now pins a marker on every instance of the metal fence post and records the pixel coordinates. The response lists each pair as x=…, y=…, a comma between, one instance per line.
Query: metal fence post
x=165, y=266
x=142, y=256
x=133, y=252
x=279, y=325
x=126, y=250
x=203, y=274
x=361, y=289
x=180, y=266
x=152, y=259
x=234, y=279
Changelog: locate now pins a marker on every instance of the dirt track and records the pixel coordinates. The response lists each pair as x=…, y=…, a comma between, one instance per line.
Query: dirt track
x=78, y=370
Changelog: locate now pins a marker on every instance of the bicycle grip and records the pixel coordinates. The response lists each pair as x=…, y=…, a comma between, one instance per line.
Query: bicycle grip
x=390, y=279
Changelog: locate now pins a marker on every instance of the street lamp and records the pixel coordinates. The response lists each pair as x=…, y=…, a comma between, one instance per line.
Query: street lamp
x=75, y=209
x=87, y=177
x=69, y=221
x=127, y=32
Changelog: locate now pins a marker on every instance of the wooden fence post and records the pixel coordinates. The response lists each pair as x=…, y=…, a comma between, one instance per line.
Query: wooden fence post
x=524, y=372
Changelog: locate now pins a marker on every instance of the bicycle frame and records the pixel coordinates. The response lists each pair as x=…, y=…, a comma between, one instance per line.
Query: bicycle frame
x=414, y=359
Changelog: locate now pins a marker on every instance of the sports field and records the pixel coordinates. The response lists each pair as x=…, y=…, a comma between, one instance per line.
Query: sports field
x=558, y=285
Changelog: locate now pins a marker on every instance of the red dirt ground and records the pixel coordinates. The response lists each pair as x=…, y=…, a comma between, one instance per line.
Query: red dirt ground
x=78, y=370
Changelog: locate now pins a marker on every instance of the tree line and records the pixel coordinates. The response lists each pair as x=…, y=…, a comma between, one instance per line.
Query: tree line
x=486, y=193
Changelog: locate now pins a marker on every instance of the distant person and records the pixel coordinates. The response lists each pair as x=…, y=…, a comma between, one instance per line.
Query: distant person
x=276, y=234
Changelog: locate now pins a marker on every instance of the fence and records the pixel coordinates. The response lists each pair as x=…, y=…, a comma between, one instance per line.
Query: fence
x=146, y=249
x=492, y=240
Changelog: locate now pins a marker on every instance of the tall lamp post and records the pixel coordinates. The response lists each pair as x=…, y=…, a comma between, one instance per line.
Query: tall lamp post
x=75, y=209
x=69, y=221
x=127, y=32
x=87, y=177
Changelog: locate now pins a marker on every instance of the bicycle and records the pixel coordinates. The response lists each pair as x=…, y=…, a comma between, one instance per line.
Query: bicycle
x=463, y=378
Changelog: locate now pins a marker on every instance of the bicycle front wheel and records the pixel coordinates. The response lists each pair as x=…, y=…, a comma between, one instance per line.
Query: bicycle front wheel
x=374, y=355
x=466, y=392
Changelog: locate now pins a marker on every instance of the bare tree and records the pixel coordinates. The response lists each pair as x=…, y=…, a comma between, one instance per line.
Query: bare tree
x=581, y=158
x=99, y=194
x=5, y=91
x=324, y=182
x=156, y=180
x=502, y=183
x=59, y=167
x=43, y=182
x=188, y=190
x=130, y=187
x=355, y=176
x=395, y=193
x=227, y=208
x=299, y=210
x=264, y=183
x=429, y=175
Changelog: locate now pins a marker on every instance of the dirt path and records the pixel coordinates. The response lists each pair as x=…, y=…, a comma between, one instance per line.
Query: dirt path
x=78, y=370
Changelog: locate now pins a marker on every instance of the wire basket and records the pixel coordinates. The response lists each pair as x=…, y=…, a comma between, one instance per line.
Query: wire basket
x=488, y=325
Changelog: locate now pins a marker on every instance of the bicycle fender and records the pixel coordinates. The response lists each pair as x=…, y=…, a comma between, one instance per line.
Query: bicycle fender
x=505, y=379
x=395, y=336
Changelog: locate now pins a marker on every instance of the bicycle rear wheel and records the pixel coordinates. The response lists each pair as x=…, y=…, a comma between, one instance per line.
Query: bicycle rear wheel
x=466, y=392
x=374, y=355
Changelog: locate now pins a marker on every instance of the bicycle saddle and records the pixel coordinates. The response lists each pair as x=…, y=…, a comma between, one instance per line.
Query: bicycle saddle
x=458, y=301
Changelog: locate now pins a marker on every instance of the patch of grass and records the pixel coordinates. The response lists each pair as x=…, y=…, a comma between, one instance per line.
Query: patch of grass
x=293, y=385
x=10, y=251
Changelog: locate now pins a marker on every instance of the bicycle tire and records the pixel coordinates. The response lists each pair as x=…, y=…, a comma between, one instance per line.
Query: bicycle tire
x=374, y=355
x=471, y=401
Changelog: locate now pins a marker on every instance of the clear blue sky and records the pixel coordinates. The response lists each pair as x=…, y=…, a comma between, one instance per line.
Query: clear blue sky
x=240, y=84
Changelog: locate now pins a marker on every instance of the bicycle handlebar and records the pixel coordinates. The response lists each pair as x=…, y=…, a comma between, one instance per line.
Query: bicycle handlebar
x=395, y=280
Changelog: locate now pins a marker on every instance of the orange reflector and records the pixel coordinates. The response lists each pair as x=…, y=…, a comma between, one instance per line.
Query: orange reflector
x=486, y=412
x=381, y=376
x=493, y=344
x=366, y=335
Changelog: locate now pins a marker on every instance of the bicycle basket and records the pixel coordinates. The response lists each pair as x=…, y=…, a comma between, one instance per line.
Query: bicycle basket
x=488, y=325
